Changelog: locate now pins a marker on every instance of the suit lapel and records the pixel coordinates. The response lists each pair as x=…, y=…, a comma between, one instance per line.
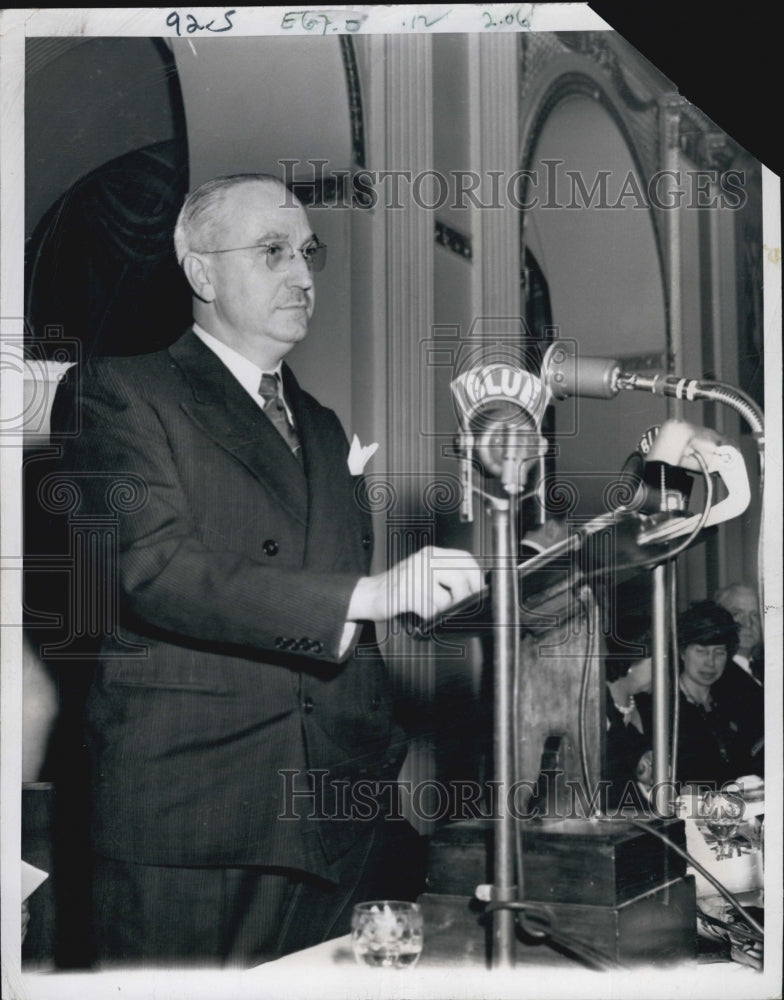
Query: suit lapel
x=336, y=524
x=319, y=462
x=225, y=412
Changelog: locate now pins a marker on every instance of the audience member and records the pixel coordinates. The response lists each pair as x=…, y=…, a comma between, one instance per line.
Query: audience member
x=740, y=599
x=741, y=684
x=710, y=749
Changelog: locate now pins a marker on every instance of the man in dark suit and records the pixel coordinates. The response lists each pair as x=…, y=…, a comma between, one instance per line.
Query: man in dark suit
x=741, y=684
x=241, y=692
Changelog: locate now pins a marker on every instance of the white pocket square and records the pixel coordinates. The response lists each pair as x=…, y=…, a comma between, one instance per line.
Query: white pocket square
x=359, y=455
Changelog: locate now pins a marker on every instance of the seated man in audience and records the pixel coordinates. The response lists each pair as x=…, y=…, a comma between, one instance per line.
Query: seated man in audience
x=741, y=684
x=740, y=599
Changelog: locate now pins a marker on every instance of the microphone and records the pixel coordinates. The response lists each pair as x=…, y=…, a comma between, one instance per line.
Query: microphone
x=500, y=389
x=564, y=374
x=500, y=408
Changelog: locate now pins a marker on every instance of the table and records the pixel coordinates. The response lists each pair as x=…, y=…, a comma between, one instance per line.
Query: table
x=330, y=972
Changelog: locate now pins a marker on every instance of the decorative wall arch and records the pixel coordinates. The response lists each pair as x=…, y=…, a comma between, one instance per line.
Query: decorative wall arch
x=710, y=283
x=569, y=64
x=606, y=270
x=660, y=128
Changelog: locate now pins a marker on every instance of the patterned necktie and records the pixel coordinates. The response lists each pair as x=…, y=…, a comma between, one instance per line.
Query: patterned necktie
x=269, y=390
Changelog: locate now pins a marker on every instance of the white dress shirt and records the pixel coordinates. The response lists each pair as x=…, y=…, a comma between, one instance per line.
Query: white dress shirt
x=745, y=664
x=246, y=373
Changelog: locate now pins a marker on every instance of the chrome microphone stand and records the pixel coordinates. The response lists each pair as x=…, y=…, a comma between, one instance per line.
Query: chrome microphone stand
x=506, y=652
x=506, y=451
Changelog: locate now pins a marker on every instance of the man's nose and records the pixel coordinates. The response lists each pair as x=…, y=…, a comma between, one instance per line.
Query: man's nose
x=299, y=274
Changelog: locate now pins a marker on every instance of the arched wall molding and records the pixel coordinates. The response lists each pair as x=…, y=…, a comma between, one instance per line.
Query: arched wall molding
x=661, y=130
x=657, y=124
x=573, y=83
x=356, y=116
x=551, y=71
x=553, y=74
x=331, y=189
x=72, y=129
x=546, y=83
x=637, y=88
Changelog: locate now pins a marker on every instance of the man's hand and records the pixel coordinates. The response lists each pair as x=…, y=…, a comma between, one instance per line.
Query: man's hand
x=427, y=582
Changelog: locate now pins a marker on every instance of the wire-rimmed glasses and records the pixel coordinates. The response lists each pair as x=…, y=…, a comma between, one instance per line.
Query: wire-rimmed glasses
x=280, y=253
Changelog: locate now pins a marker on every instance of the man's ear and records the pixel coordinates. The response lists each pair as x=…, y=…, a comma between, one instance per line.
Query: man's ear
x=197, y=272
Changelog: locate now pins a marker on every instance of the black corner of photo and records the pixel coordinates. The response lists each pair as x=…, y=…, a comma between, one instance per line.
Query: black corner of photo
x=725, y=59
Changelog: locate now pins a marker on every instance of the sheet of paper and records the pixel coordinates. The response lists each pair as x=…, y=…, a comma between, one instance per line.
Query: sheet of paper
x=32, y=877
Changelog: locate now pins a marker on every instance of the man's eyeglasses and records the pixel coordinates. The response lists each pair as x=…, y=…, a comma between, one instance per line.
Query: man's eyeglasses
x=280, y=254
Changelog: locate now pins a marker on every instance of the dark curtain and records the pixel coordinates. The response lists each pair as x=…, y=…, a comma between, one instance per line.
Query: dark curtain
x=100, y=265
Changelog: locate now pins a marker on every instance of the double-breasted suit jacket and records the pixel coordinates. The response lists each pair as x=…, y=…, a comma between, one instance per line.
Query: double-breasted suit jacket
x=236, y=562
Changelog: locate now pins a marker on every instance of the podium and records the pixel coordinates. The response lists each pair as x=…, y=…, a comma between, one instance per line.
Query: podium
x=600, y=889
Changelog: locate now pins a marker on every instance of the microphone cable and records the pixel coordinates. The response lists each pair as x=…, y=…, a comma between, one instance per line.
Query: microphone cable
x=731, y=898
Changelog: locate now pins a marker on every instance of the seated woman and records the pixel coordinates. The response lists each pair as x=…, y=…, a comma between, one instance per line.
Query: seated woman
x=709, y=748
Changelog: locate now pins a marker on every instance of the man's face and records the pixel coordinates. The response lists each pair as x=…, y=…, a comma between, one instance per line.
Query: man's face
x=255, y=306
x=704, y=665
x=742, y=605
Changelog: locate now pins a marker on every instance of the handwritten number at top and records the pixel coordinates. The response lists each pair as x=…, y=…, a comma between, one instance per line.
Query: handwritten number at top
x=323, y=21
x=190, y=25
x=521, y=17
x=319, y=22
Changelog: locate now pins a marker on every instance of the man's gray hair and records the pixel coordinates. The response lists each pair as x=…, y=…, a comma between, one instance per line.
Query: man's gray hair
x=722, y=595
x=199, y=222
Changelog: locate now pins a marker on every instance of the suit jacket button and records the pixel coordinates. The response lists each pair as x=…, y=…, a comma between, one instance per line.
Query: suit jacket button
x=367, y=541
x=375, y=703
x=317, y=647
x=279, y=640
x=307, y=705
x=270, y=547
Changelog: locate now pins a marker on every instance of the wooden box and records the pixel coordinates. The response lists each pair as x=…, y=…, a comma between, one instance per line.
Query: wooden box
x=460, y=857
x=597, y=863
x=600, y=863
x=658, y=928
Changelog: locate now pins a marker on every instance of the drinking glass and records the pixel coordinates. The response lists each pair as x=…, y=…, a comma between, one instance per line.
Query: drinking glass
x=722, y=813
x=387, y=933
